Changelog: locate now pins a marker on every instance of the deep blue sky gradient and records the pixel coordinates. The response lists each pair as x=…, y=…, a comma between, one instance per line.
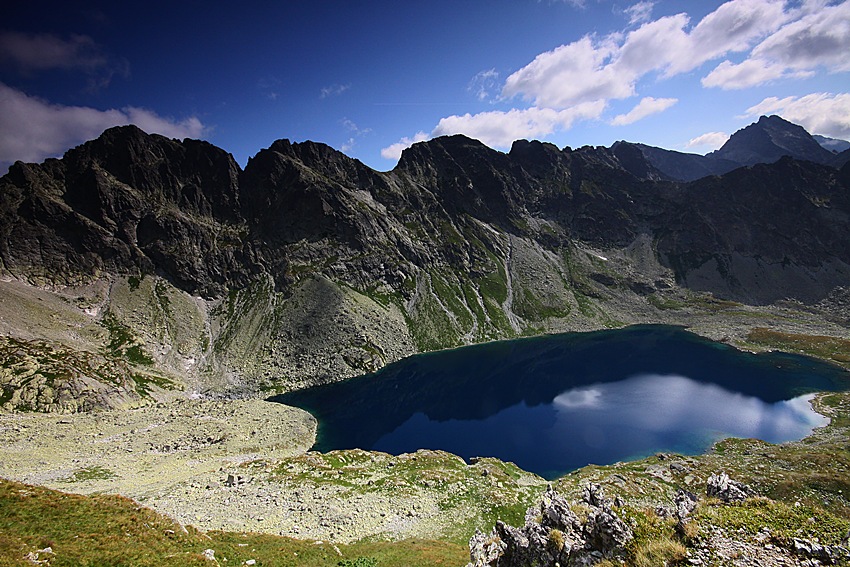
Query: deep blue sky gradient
x=362, y=76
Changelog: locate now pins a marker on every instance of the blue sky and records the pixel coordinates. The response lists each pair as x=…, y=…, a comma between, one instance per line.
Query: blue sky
x=371, y=77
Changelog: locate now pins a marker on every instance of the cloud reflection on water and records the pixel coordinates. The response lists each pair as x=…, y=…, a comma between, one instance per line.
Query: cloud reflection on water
x=606, y=422
x=668, y=403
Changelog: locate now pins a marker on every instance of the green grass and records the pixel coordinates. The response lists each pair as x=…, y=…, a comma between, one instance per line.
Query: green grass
x=91, y=473
x=663, y=303
x=145, y=381
x=834, y=349
x=112, y=530
x=785, y=521
x=123, y=344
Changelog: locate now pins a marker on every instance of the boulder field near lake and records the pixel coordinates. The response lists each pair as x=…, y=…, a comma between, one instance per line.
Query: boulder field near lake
x=153, y=294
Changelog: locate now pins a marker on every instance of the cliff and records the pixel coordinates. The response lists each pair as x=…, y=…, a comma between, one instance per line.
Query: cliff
x=166, y=259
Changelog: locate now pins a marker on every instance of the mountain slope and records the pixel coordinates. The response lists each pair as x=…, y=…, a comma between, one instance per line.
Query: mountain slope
x=770, y=139
x=165, y=257
x=765, y=141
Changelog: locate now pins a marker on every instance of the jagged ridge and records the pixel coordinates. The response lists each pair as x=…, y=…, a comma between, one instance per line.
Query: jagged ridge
x=315, y=267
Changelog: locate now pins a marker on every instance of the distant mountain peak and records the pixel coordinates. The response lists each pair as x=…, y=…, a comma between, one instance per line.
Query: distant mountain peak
x=769, y=139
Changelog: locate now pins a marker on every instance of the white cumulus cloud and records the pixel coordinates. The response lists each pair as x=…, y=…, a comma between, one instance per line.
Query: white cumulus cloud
x=609, y=67
x=32, y=129
x=810, y=39
x=820, y=38
x=499, y=129
x=826, y=114
x=646, y=107
x=393, y=151
x=708, y=141
x=571, y=74
x=749, y=73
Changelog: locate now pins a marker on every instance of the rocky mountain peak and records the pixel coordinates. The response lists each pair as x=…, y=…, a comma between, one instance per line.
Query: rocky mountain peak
x=770, y=138
x=633, y=160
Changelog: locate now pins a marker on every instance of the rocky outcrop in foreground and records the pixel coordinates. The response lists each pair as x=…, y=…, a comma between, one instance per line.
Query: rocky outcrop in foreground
x=554, y=535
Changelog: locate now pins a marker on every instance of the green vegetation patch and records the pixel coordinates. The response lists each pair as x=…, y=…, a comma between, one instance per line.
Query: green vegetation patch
x=828, y=348
x=785, y=521
x=91, y=473
x=664, y=303
x=123, y=344
x=144, y=383
x=112, y=530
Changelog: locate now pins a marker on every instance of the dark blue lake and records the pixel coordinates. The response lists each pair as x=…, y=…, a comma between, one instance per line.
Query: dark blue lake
x=555, y=403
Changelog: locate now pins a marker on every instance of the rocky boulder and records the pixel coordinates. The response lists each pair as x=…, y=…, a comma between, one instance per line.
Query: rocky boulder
x=721, y=486
x=553, y=535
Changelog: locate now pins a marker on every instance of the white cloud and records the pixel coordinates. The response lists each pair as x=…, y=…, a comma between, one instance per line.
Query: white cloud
x=750, y=73
x=734, y=27
x=826, y=114
x=484, y=84
x=355, y=132
x=571, y=74
x=813, y=38
x=646, y=107
x=708, y=141
x=609, y=67
x=32, y=129
x=640, y=12
x=333, y=90
x=653, y=46
x=499, y=129
x=352, y=127
x=393, y=152
x=820, y=38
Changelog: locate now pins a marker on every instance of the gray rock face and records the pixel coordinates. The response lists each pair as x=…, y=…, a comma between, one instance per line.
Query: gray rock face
x=770, y=139
x=720, y=486
x=323, y=269
x=824, y=554
x=553, y=535
x=133, y=203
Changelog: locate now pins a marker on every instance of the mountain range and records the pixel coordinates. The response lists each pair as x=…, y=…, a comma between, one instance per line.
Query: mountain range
x=137, y=266
x=765, y=141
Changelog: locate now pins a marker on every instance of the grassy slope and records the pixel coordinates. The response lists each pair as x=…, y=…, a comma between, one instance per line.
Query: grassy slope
x=112, y=530
x=805, y=488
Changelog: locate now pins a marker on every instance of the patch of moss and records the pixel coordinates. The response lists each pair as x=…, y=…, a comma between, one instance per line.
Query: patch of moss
x=123, y=344
x=663, y=303
x=145, y=381
x=828, y=348
x=134, y=281
x=91, y=473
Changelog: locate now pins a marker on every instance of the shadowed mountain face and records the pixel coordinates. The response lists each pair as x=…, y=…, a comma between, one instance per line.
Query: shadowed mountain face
x=770, y=139
x=765, y=141
x=129, y=202
x=308, y=267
